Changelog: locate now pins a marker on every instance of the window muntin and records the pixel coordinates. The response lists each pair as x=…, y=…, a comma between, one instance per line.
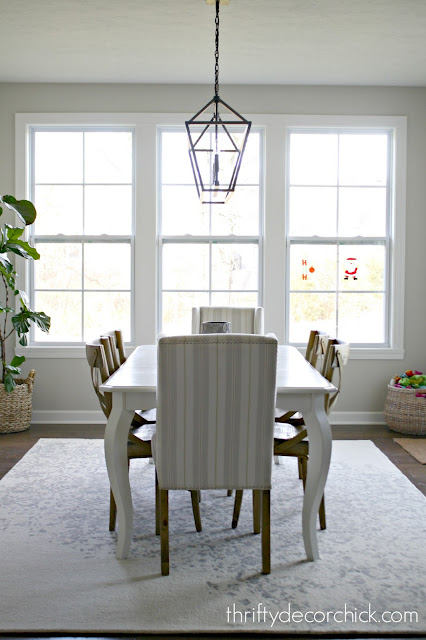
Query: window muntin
x=338, y=244
x=82, y=183
x=208, y=254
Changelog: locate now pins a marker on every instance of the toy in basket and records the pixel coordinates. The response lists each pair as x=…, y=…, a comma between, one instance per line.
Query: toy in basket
x=405, y=406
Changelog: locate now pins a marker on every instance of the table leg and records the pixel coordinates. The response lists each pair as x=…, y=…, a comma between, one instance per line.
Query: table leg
x=116, y=434
x=319, y=434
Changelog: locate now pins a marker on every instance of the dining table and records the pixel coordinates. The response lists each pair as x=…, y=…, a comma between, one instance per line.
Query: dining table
x=300, y=387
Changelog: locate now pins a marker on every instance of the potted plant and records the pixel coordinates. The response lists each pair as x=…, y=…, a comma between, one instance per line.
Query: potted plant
x=15, y=393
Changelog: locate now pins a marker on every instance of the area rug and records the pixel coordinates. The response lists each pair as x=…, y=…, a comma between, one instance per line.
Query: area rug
x=416, y=448
x=59, y=574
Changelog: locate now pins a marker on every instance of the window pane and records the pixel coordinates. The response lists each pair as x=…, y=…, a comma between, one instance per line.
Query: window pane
x=108, y=209
x=235, y=266
x=363, y=159
x=182, y=212
x=107, y=266
x=313, y=211
x=362, y=267
x=313, y=267
x=108, y=157
x=59, y=266
x=362, y=317
x=185, y=266
x=58, y=157
x=175, y=162
x=59, y=209
x=311, y=311
x=240, y=216
x=177, y=311
x=362, y=211
x=250, y=165
x=234, y=299
x=64, y=308
x=103, y=310
x=313, y=158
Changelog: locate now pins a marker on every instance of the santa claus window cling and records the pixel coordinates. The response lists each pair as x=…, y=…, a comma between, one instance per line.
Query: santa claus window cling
x=351, y=269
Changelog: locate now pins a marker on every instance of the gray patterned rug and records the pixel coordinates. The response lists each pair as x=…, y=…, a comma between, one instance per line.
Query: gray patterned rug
x=59, y=572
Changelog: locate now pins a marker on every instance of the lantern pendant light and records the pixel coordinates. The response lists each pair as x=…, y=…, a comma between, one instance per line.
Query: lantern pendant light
x=217, y=139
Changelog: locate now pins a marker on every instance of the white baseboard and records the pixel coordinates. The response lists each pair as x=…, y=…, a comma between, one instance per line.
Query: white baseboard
x=357, y=417
x=97, y=417
x=68, y=417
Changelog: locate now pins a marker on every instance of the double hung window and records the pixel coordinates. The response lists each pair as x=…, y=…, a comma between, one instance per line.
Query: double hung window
x=339, y=203
x=208, y=254
x=82, y=182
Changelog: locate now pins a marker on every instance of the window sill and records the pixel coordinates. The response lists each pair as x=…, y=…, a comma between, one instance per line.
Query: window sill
x=79, y=352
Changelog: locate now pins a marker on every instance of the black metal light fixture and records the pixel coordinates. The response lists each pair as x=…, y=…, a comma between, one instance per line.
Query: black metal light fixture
x=217, y=139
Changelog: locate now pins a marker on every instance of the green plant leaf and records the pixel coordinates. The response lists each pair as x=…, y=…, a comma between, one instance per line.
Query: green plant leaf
x=24, y=209
x=20, y=322
x=13, y=243
x=17, y=361
x=9, y=382
x=40, y=319
x=6, y=309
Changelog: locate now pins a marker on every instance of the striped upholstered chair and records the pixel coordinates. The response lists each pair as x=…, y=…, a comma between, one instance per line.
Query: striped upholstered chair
x=242, y=319
x=215, y=420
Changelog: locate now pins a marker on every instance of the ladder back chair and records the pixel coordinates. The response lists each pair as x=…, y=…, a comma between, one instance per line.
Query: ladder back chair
x=217, y=388
x=139, y=438
x=291, y=440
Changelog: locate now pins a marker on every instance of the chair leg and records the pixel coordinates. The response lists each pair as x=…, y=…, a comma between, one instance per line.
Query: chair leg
x=164, y=531
x=257, y=504
x=229, y=493
x=237, y=507
x=304, y=470
x=266, y=531
x=112, y=511
x=322, y=514
x=157, y=506
x=299, y=466
x=195, y=499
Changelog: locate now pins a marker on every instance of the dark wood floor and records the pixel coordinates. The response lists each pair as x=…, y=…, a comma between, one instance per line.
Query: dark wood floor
x=14, y=446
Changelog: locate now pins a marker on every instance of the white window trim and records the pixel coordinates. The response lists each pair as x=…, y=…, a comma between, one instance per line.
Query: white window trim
x=274, y=258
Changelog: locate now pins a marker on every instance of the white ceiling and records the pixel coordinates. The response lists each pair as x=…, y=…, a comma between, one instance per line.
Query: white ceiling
x=339, y=42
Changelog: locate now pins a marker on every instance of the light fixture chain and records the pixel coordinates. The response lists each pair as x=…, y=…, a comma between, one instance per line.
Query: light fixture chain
x=216, y=55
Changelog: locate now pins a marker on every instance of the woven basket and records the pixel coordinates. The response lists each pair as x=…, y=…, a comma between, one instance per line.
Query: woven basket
x=16, y=406
x=405, y=412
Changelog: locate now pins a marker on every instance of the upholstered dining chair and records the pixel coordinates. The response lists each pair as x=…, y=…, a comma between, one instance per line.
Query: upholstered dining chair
x=139, y=439
x=291, y=440
x=242, y=319
x=218, y=390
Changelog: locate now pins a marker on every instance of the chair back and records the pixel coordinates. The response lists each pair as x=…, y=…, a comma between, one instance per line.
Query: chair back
x=315, y=349
x=335, y=358
x=215, y=411
x=242, y=319
x=99, y=372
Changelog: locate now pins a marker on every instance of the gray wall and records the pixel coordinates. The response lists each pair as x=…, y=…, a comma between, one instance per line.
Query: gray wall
x=64, y=386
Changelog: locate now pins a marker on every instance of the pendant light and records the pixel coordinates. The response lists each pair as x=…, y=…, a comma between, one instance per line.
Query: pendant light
x=217, y=138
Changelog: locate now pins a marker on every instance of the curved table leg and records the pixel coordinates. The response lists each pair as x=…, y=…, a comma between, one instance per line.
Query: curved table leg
x=319, y=434
x=116, y=435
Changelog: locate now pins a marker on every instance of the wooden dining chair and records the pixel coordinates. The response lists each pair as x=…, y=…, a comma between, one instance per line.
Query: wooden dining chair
x=113, y=344
x=291, y=440
x=220, y=389
x=315, y=352
x=139, y=438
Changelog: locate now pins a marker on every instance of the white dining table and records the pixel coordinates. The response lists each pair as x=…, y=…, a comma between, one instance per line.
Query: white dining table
x=300, y=387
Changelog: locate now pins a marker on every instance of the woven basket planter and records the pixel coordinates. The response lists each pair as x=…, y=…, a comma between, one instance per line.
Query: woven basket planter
x=405, y=412
x=16, y=406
